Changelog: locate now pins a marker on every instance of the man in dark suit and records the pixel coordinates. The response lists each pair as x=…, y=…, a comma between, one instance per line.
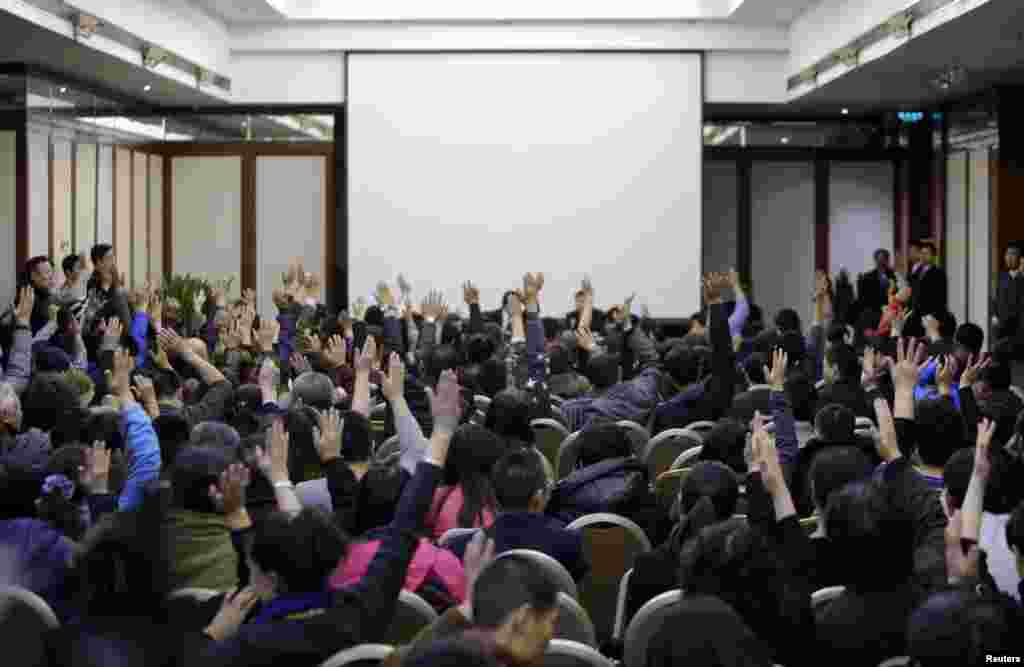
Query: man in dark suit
x=873, y=286
x=929, y=287
x=1010, y=297
x=521, y=489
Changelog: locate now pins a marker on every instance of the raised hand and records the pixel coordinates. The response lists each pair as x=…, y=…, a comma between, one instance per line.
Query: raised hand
x=119, y=379
x=393, y=382
x=515, y=305
x=587, y=287
x=233, y=612
x=945, y=372
x=533, y=283
x=765, y=457
x=909, y=358
x=446, y=403
x=267, y=334
x=299, y=363
x=585, y=339
x=982, y=449
x=113, y=329
x=249, y=297
x=232, y=336
x=959, y=565
x=384, y=295
x=172, y=342
x=272, y=460
x=26, y=302
x=712, y=292
x=358, y=309
x=312, y=285
x=433, y=307
x=94, y=473
x=479, y=554
x=230, y=494
x=470, y=293
x=336, y=353
x=776, y=376
x=970, y=374
x=327, y=435
x=871, y=367
x=366, y=356
x=404, y=286
x=144, y=390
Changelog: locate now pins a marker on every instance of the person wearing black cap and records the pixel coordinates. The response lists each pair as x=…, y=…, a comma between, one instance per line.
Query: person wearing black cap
x=1010, y=297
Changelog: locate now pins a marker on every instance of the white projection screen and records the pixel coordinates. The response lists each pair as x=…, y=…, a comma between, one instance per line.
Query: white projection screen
x=482, y=166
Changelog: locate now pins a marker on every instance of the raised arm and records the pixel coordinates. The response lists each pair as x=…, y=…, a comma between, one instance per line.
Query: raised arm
x=363, y=363
x=19, y=357
x=272, y=460
x=741, y=311
x=536, y=360
x=587, y=313
x=723, y=358
x=410, y=435
x=782, y=413
x=471, y=295
x=434, y=312
x=141, y=445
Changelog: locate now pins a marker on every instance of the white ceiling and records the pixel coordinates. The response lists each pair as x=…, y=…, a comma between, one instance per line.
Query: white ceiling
x=744, y=11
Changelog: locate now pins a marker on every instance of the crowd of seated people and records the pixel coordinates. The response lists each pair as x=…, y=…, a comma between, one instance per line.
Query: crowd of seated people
x=305, y=466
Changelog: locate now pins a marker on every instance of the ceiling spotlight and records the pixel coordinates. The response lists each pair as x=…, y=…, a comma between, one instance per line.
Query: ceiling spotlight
x=147, y=88
x=85, y=25
x=846, y=112
x=784, y=140
x=951, y=77
x=153, y=56
x=63, y=89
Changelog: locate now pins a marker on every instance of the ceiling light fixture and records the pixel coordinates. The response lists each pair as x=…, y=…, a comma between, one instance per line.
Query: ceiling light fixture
x=63, y=89
x=784, y=140
x=153, y=56
x=147, y=88
x=846, y=112
x=951, y=77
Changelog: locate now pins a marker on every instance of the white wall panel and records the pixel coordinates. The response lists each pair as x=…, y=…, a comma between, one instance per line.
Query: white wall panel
x=123, y=210
x=861, y=214
x=85, y=197
x=290, y=219
x=39, y=192
x=745, y=77
x=61, y=195
x=288, y=78
x=105, y=190
x=979, y=236
x=576, y=163
x=958, y=251
x=156, y=215
x=140, y=222
x=782, y=234
x=206, y=216
x=8, y=223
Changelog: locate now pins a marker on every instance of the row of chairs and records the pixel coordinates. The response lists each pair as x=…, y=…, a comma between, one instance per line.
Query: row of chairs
x=559, y=653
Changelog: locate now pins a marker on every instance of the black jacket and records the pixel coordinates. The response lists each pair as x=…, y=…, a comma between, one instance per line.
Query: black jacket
x=848, y=393
x=929, y=295
x=871, y=295
x=757, y=399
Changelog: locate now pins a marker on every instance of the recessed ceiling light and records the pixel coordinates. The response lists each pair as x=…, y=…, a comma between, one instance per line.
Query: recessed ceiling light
x=846, y=112
x=63, y=89
x=147, y=88
x=784, y=140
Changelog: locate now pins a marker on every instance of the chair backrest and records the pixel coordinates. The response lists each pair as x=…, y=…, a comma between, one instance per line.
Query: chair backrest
x=186, y=608
x=701, y=427
x=453, y=533
x=379, y=411
x=663, y=449
x=898, y=661
x=363, y=655
x=823, y=597
x=638, y=435
x=556, y=400
x=565, y=653
x=611, y=544
x=645, y=625
x=573, y=622
x=804, y=432
x=481, y=402
x=197, y=594
x=666, y=486
x=412, y=614
x=688, y=457
x=558, y=415
x=620, y=605
x=863, y=423
x=820, y=384
x=548, y=435
x=25, y=618
x=554, y=571
x=568, y=455
x=387, y=448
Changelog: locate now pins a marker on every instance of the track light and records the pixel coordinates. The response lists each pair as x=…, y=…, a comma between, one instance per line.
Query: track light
x=85, y=25
x=153, y=56
x=899, y=24
x=849, y=56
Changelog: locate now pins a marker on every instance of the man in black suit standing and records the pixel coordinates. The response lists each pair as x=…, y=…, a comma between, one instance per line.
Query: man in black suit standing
x=1010, y=297
x=929, y=294
x=873, y=286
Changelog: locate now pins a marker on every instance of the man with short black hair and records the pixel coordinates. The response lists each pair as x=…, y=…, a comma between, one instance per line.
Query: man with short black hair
x=1009, y=303
x=522, y=491
x=873, y=286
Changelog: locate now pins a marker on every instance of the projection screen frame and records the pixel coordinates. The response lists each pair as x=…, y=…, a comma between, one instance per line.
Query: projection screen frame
x=342, y=295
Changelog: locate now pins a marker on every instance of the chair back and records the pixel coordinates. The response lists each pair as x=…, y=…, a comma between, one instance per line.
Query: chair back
x=898, y=661
x=611, y=544
x=620, y=605
x=688, y=457
x=638, y=435
x=573, y=622
x=454, y=533
x=666, y=486
x=189, y=608
x=565, y=653
x=25, y=619
x=568, y=455
x=412, y=614
x=548, y=436
x=482, y=403
x=387, y=448
x=702, y=428
x=363, y=655
x=556, y=400
x=822, y=598
x=645, y=625
x=663, y=449
x=554, y=571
